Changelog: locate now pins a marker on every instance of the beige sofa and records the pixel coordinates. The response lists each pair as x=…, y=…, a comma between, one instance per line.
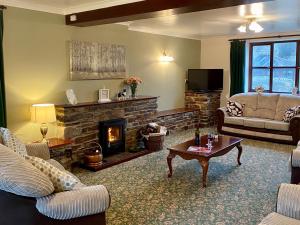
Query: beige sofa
x=262, y=118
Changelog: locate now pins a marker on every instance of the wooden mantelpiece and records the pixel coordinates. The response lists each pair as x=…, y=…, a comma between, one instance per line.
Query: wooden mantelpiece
x=85, y=104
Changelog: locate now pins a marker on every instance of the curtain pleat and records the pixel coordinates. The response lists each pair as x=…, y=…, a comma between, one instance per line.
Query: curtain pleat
x=3, y=122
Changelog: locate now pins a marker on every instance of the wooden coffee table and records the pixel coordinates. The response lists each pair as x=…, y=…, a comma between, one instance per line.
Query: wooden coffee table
x=223, y=145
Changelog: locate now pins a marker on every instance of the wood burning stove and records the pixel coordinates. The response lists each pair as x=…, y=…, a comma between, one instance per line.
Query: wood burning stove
x=112, y=136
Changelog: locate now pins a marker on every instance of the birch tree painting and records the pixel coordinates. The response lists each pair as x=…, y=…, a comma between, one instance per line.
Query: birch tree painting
x=95, y=61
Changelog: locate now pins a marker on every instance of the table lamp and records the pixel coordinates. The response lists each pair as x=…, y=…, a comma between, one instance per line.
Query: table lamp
x=43, y=114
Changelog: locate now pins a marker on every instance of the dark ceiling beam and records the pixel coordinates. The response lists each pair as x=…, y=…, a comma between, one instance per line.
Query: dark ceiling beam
x=148, y=9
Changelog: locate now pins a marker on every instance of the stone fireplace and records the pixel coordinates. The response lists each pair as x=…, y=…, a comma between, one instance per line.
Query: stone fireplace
x=112, y=136
x=80, y=122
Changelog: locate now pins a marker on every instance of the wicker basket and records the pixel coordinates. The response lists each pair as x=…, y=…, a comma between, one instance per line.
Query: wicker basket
x=155, y=142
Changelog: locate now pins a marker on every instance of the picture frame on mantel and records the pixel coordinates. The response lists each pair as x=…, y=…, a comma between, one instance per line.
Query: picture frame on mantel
x=104, y=96
x=97, y=61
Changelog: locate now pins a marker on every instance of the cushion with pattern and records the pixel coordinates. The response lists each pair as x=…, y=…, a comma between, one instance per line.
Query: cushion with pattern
x=12, y=142
x=291, y=113
x=61, y=180
x=234, y=108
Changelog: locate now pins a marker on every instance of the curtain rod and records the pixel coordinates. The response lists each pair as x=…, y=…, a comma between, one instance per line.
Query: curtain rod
x=265, y=37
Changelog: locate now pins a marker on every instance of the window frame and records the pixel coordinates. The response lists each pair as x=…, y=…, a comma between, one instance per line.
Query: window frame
x=272, y=67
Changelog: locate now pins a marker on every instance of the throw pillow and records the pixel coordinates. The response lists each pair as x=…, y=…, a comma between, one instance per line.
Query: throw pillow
x=19, y=177
x=61, y=180
x=12, y=142
x=234, y=108
x=291, y=113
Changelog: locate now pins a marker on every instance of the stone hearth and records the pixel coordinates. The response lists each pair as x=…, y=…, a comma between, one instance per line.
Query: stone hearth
x=81, y=122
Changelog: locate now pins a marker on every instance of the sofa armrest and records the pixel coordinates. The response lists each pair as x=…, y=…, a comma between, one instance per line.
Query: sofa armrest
x=288, y=200
x=221, y=114
x=39, y=150
x=76, y=203
x=295, y=129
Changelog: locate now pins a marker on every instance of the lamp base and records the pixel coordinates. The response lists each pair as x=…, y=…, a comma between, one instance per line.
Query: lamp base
x=44, y=131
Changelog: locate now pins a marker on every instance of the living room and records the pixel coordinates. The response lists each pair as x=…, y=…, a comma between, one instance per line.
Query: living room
x=107, y=96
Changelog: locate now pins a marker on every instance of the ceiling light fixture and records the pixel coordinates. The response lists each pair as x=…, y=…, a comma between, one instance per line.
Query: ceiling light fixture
x=252, y=25
x=166, y=58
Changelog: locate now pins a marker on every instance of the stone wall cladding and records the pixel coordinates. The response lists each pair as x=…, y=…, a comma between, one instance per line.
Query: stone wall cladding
x=206, y=103
x=179, y=121
x=80, y=123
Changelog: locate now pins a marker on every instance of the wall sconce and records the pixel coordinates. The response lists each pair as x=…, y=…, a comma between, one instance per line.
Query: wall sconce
x=165, y=58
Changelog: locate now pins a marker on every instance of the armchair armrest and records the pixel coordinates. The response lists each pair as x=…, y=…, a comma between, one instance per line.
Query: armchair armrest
x=295, y=129
x=295, y=157
x=39, y=150
x=76, y=203
x=221, y=114
x=288, y=200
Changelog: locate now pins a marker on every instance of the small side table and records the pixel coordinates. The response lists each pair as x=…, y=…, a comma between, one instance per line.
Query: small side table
x=61, y=150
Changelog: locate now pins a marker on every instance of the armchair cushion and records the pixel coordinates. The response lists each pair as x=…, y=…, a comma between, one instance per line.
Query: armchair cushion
x=295, y=159
x=77, y=203
x=277, y=219
x=12, y=142
x=288, y=201
x=21, y=178
x=39, y=150
x=61, y=180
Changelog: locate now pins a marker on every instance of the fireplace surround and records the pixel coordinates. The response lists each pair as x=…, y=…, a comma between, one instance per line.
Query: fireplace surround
x=112, y=136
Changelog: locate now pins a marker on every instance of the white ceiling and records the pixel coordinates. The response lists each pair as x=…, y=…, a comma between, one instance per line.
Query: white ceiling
x=277, y=16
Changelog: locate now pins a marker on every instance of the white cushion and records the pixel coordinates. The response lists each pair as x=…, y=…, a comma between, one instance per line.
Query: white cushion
x=77, y=203
x=277, y=125
x=20, y=177
x=288, y=200
x=234, y=120
x=61, y=180
x=277, y=219
x=254, y=122
x=12, y=142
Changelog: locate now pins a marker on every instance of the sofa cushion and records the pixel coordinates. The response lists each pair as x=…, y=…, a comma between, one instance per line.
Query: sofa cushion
x=60, y=179
x=12, y=142
x=254, y=122
x=278, y=219
x=249, y=100
x=277, y=125
x=290, y=113
x=19, y=177
x=285, y=102
x=266, y=106
x=234, y=120
x=234, y=108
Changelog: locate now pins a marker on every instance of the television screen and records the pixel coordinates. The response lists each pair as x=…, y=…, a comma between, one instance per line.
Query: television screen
x=205, y=79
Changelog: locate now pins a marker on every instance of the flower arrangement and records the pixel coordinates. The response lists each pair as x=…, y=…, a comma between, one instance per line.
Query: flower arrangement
x=133, y=82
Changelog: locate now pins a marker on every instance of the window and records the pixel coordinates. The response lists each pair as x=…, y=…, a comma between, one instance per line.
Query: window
x=274, y=65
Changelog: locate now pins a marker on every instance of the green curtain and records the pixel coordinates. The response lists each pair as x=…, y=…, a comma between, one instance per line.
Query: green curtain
x=2, y=83
x=237, y=67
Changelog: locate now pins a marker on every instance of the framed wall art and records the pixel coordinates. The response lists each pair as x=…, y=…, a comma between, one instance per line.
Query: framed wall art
x=96, y=61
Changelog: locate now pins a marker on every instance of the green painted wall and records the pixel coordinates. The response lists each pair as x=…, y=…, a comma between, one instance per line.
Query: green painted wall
x=36, y=64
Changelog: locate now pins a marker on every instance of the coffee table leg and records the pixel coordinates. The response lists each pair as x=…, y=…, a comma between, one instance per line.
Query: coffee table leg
x=240, y=148
x=170, y=157
x=204, y=164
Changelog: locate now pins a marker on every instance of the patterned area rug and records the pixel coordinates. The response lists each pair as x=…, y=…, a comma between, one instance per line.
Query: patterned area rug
x=142, y=194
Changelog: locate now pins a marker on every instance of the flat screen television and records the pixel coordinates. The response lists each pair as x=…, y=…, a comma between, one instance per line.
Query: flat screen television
x=205, y=79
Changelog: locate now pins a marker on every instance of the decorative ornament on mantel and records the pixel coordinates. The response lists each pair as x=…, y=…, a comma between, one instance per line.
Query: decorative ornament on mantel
x=133, y=83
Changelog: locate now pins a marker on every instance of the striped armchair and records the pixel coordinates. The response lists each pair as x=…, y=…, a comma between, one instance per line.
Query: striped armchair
x=287, y=208
x=84, y=205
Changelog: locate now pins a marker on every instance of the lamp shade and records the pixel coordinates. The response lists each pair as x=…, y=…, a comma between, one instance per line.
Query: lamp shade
x=43, y=113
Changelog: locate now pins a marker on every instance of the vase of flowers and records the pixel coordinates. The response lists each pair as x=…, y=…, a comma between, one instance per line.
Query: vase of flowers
x=133, y=83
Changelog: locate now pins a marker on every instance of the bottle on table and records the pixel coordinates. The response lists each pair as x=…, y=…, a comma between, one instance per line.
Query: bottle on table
x=197, y=136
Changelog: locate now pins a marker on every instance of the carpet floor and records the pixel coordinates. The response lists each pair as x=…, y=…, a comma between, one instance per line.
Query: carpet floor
x=142, y=194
